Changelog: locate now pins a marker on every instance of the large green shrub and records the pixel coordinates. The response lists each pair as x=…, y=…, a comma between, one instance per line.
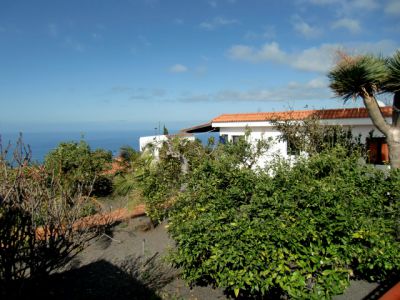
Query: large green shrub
x=163, y=177
x=301, y=233
x=78, y=167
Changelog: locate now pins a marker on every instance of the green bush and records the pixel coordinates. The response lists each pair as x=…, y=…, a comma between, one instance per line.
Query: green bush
x=160, y=183
x=301, y=233
x=311, y=137
x=40, y=222
x=162, y=178
x=103, y=186
x=78, y=167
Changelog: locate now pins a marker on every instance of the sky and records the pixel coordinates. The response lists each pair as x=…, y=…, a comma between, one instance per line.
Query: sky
x=134, y=64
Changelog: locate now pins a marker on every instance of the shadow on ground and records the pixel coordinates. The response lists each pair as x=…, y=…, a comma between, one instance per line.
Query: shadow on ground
x=132, y=279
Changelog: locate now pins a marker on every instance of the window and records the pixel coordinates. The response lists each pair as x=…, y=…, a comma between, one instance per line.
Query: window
x=378, y=152
x=237, y=138
x=292, y=149
x=223, y=138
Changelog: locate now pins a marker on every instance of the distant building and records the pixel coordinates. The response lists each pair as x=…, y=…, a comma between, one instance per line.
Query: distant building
x=233, y=126
x=155, y=142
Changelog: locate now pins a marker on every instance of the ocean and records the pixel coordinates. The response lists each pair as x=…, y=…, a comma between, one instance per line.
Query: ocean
x=43, y=142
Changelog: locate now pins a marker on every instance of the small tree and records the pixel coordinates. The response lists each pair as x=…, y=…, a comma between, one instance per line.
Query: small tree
x=365, y=76
x=40, y=221
x=311, y=137
x=165, y=130
x=77, y=166
x=162, y=179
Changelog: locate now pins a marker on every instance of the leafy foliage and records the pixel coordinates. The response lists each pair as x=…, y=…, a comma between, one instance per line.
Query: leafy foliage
x=128, y=154
x=40, y=221
x=392, y=83
x=352, y=75
x=302, y=233
x=164, y=178
x=310, y=137
x=77, y=166
x=161, y=179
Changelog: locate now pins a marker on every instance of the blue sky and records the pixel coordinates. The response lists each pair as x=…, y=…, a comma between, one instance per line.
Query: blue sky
x=130, y=64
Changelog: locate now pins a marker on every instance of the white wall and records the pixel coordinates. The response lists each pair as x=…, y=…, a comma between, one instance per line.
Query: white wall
x=153, y=139
x=157, y=141
x=266, y=130
x=257, y=133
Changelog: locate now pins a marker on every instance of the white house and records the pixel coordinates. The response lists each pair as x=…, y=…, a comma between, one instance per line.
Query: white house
x=233, y=126
x=157, y=141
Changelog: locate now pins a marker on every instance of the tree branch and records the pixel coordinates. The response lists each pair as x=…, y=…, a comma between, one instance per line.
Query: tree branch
x=375, y=113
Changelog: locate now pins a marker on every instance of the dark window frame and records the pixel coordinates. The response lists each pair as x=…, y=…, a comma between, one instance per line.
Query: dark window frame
x=291, y=149
x=237, y=138
x=223, y=138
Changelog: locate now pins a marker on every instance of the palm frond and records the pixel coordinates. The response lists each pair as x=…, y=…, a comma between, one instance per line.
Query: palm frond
x=354, y=74
x=392, y=83
x=124, y=184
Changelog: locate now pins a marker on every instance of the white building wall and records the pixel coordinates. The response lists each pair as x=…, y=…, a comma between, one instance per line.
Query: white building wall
x=153, y=139
x=257, y=133
x=266, y=130
x=157, y=142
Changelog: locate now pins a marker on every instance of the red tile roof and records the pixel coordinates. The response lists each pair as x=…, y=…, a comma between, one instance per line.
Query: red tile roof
x=344, y=113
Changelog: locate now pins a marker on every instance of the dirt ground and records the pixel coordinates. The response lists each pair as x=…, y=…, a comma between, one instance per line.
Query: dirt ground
x=128, y=263
x=136, y=241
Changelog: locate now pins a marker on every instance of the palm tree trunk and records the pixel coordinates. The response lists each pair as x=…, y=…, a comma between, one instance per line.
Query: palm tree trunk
x=375, y=113
x=394, y=136
x=391, y=132
x=394, y=150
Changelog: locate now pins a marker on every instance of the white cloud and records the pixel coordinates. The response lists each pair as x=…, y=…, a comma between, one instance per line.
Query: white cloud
x=346, y=7
x=364, y=4
x=315, y=89
x=178, y=68
x=305, y=29
x=350, y=24
x=318, y=83
x=217, y=22
x=269, y=52
x=383, y=47
x=393, y=8
x=130, y=93
x=315, y=59
x=268, y=32
x=213, y=4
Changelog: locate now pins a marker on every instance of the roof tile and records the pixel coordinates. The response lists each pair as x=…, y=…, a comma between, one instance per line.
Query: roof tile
x=345, y=113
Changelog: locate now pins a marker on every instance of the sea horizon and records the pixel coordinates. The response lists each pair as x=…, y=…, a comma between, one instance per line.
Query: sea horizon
x=41, y=143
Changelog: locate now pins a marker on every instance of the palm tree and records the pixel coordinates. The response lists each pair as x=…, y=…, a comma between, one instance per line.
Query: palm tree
x=366, y=76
